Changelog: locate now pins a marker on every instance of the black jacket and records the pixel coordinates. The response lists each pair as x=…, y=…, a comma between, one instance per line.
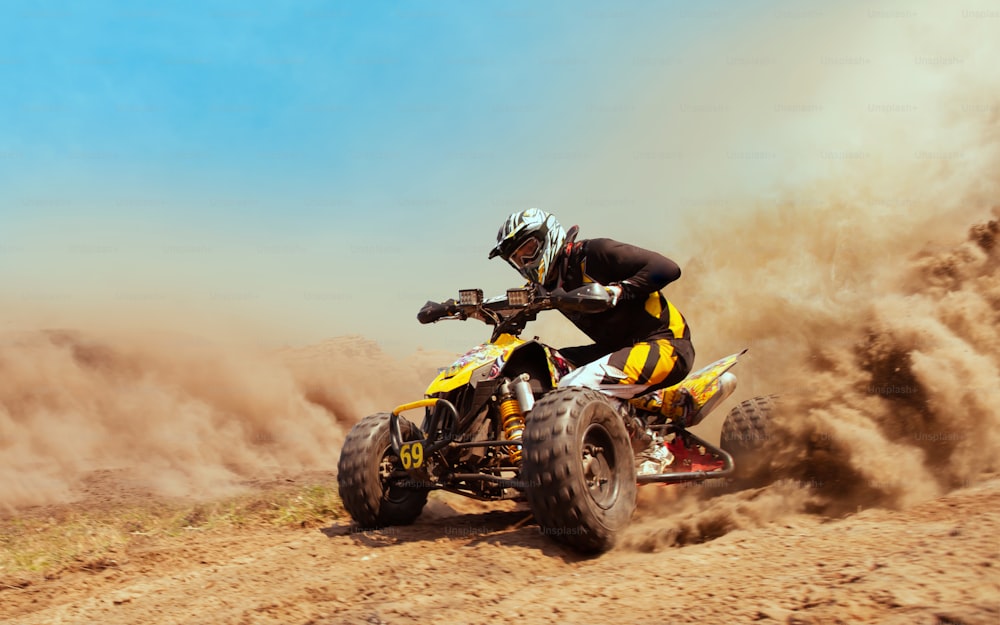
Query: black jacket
x=642, y=312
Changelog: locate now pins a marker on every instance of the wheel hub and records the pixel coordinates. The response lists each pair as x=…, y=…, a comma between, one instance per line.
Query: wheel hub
x=599, y=467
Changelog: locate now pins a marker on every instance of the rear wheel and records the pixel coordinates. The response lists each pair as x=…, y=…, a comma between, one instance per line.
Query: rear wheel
x=745, y=434
x=370, y=495
x=579, y=469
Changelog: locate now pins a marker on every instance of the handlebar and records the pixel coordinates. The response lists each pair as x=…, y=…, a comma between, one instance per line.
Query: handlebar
x=512, y=317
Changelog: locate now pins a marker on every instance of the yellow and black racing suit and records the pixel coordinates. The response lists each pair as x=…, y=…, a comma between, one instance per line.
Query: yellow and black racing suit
x=646, y=336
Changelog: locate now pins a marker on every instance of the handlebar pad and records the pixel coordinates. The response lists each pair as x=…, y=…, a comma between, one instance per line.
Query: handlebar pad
x=432, y=311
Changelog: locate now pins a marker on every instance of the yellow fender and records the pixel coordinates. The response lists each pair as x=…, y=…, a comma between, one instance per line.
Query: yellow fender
x=459, y=373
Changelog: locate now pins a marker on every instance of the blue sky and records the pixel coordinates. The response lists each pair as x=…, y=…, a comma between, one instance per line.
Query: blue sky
x=299, y=108
x=311, y=169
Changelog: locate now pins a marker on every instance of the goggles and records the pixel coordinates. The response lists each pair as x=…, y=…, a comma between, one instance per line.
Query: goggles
x=526, y=253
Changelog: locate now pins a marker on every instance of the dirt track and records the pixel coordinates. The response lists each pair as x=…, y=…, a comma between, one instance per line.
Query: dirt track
x=938, y=562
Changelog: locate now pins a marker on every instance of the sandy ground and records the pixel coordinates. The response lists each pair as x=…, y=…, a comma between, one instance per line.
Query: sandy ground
x=466, y=562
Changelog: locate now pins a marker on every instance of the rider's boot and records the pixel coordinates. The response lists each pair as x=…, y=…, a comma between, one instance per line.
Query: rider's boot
x=655, y=458
x=651, y=454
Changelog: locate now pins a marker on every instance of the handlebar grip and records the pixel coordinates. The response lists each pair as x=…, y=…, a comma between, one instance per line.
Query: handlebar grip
x=431, y=312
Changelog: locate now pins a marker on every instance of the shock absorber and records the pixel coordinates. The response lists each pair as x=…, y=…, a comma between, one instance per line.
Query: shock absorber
x=512, y=415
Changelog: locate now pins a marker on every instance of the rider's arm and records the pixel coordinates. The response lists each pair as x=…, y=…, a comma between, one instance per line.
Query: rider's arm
x=638, y=271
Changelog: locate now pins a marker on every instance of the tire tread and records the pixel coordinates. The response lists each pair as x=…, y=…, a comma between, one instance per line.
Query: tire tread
x=360, y=489
x=552, y=493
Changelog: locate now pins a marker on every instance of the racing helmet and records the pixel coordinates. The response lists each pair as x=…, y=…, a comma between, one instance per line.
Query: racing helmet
x=530, y=240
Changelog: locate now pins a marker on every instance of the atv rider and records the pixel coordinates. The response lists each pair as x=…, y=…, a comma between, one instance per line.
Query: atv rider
x=641, y=344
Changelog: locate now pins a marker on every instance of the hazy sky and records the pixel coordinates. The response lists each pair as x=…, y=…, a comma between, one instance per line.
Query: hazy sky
x=302, y=170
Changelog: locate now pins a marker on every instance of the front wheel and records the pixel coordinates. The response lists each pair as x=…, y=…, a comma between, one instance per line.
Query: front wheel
x=579, y=469
x=370, y=495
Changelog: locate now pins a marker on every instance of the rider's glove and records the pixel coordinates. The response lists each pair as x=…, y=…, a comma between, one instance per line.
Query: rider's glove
x=615, y=292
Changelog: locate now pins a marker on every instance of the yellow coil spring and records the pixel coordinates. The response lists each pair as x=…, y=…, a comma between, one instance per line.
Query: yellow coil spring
x=513, y=426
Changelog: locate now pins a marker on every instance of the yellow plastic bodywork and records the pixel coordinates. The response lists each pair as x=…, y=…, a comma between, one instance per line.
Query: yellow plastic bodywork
x=460, y=371
x=700, y=386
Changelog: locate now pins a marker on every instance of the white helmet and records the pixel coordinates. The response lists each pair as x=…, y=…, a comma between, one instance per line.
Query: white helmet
x=530, y=241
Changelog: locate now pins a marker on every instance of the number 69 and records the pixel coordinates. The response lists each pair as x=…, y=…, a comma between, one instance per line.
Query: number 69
x=412, y=455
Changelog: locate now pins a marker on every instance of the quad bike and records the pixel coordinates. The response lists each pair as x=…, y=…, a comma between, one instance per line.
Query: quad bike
x=497, y=426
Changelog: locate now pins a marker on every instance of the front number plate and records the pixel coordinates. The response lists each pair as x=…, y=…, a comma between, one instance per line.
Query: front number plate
x=412, y=455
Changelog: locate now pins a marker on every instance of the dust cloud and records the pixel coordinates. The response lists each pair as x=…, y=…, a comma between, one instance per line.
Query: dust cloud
x=180, y=415
x=683, y=515
x=888, y=390
x=878, y=331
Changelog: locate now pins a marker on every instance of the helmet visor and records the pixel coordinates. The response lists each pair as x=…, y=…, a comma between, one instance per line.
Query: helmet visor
x=526, y=253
